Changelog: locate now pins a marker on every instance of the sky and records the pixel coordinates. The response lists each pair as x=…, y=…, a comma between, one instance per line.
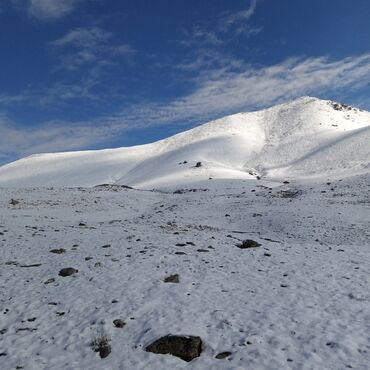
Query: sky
x=93, y=74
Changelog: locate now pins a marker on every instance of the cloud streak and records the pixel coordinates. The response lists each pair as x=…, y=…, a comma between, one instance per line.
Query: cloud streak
x=82, y=46
x=50, y=9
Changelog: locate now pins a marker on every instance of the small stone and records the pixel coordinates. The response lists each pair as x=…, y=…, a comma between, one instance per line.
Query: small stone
x=118, y=323
x=49, y=281
x=223, y=355
x=68, y=271
x=180, y=253
x=172, y=279
x=203, y=250
x=105, y=351
x=58, y=251
x=248, y=243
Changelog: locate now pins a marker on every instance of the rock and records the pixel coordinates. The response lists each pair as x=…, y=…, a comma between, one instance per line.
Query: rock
x=106, y=246
x=32, y=265
x=49, y=281
x=248, y=243
x=118, y=323
x=14, y=202
x=203, y=250
x=68, y=271
x=105, y=351
x=58, y=251
x=180, y=253
x=185, y=347
x=199, y=164
x=172, y=279
x=223, y=355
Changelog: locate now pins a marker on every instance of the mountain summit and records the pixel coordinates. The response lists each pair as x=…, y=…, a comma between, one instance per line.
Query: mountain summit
x=307, y=137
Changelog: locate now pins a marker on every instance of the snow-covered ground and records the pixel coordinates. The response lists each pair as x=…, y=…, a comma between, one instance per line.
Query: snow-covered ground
x=294, y=178
x=300, y=301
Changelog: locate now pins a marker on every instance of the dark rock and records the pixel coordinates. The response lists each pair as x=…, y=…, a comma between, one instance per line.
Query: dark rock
x=203, y=250
x=58, y=251
x=106, y=246
x=118, y=323
x=248, y=243
x=223, y=355
x=185, y=347
x=68, y=271
x=49, y=281
x=199, y=164
x=172, y=279
x=14, y=202
x=88, y=258
x=180, y=253
x=32, y=265
x=105, y=351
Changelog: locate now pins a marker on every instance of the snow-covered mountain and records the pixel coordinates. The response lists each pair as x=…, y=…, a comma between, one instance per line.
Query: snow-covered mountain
x=307, y=137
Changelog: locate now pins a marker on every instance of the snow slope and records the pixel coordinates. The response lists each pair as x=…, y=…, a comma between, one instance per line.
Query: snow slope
x=307, y=137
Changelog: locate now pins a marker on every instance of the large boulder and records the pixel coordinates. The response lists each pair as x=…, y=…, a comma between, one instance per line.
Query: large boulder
x=185, y=347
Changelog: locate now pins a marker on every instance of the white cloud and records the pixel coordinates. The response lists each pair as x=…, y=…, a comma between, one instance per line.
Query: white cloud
x=243, y=15
x=82, y=46
x=51, y=9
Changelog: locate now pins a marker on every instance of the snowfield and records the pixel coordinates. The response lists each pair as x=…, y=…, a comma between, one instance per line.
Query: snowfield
x=294, y=178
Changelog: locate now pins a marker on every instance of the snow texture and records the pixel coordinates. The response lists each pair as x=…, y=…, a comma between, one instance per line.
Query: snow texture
x=299, y=301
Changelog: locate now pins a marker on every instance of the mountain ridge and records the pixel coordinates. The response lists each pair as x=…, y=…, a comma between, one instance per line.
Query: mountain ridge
x=306, y=137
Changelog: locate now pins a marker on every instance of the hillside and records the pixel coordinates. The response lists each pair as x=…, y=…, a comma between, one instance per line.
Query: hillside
x=307, y=137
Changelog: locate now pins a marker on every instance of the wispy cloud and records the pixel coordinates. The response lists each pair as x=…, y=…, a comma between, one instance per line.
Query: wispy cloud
x=223, y=28
x=83, y=46
x=215, y=93
x=229, y=89
x=51, y=9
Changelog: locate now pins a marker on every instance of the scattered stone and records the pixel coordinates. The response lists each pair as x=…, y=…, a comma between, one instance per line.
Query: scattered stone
x=180, y=253
x=3, y=331
x=68, y=271
x=32, y=265
x=267, y=254
x=248, y=243
x=88, y=258
x=185, y=347
x=106, y=246
x=58, y=251
x=118, y=323
x=49, y=281
x=202, y=250
x=199, y=164
x=172, y=279
x=14, y=202
x=180, y=245
x=223, y=355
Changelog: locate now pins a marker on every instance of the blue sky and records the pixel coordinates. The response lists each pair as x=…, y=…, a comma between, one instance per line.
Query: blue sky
x=90, y=74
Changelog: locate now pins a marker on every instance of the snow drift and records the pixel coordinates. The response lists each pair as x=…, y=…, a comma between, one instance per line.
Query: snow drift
x=307, y=137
